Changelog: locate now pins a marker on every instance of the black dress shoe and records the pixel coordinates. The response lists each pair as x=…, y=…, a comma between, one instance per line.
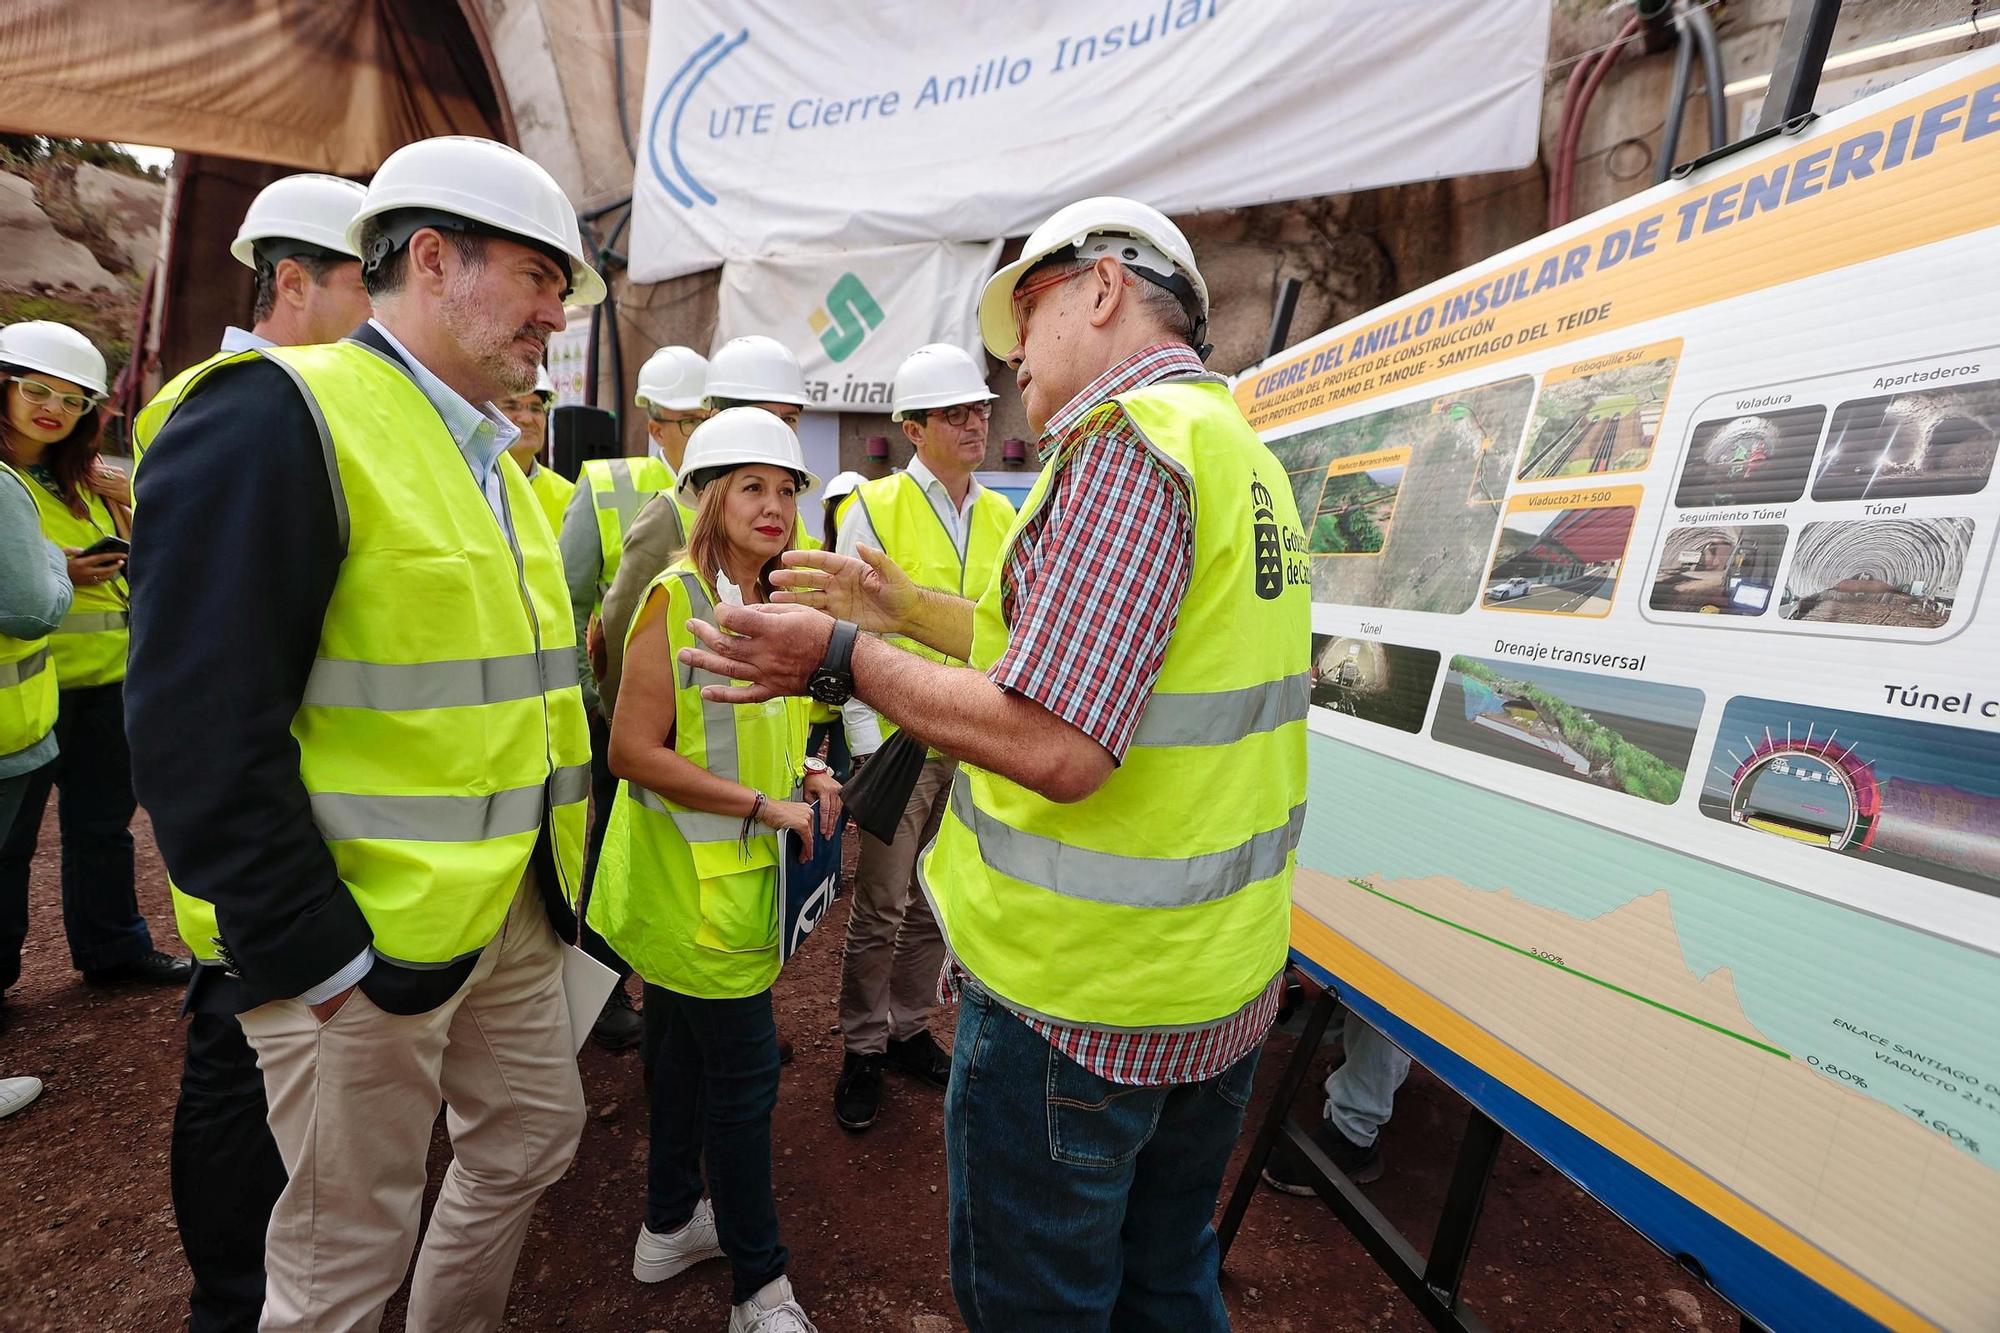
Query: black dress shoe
x=1288, y=1171
x=857, y=1096
x=619, y=1026
x=922, y=1057
x=154, y=969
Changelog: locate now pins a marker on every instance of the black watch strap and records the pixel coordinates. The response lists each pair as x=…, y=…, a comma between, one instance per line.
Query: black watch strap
x=840, y=648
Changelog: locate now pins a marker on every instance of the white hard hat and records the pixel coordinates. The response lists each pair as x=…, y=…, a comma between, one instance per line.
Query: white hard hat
x=937, y=375
x=673, y=378
x=311, y=209
x=482, y=182
x=844, y=484
x=1138, y=236
x=544, y=386
x=737, y=437
x=755, y=369
x=54, y=349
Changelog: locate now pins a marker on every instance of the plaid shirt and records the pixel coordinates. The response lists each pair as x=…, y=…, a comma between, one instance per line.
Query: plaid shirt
x=1091, y=591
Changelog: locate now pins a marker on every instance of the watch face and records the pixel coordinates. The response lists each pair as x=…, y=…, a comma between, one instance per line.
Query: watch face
x=830, y=687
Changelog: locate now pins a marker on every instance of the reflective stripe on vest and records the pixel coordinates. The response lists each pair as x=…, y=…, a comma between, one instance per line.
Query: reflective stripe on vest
x=441, y=732
x=619, y=488
x=397, y=686
x=24, y=669
x=28, y=699
x=90, y=644
x=681, y=894
x=1161, y=902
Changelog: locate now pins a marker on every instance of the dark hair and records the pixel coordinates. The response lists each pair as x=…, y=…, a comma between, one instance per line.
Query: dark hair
x=265, y=300
x=385, y=278
x=69, y=458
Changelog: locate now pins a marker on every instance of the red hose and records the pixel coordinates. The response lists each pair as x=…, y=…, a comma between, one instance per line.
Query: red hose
x=1576, y=104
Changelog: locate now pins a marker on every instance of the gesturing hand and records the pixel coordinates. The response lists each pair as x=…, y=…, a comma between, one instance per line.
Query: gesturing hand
x=871, y=591
x=774, y=648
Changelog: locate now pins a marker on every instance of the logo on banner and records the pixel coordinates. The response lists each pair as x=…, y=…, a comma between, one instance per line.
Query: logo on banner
x=680, y=183
x=855, y=314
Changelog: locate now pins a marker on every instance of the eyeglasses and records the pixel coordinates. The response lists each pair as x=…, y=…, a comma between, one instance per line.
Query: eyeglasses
x=1028, y=291
x=959, y=413
x=76, y=404
x=683, y=425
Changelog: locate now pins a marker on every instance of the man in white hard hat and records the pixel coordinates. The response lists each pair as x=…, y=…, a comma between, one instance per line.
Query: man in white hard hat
x=1113, y=872
x=610, y=503
x=530, y=414
x=308, y=282
x=945, y=531
x=751, y=371
x=225, y=1168
x=388, y=814
x=672, y=393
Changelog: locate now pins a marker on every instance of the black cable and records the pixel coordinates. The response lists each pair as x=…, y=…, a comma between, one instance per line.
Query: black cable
x=1711, y=69
x=618, y=78
x=1670, y=134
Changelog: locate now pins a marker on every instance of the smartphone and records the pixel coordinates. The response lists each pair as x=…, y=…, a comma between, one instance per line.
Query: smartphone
x=108, y=546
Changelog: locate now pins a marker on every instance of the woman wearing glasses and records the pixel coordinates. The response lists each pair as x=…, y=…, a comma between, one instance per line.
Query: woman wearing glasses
x=52, y=385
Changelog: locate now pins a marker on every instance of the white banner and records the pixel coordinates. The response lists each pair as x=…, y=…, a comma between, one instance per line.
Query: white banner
x=779, y=126
x=852, y=317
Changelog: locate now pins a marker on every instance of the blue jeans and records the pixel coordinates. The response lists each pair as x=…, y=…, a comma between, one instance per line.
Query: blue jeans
x=715, y=1084
x=1078, y=1203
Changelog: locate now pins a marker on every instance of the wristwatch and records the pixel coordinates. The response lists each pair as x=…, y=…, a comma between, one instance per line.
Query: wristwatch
x=833, y=683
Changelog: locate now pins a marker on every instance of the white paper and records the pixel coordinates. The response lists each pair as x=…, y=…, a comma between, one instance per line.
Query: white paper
x=588, y=984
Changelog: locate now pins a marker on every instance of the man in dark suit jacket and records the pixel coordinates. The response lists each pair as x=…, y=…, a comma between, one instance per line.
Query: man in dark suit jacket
x=265, y=527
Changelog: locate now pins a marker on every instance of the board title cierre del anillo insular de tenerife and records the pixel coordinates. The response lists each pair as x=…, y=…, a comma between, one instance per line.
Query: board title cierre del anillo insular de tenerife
x=1145, y=24
x=1962, y=118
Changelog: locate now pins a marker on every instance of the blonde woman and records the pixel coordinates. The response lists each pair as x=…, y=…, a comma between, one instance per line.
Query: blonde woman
x=687, y=887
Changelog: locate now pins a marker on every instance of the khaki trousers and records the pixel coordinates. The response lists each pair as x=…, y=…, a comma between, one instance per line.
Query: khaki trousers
x=353, y=1101
x=889, y=968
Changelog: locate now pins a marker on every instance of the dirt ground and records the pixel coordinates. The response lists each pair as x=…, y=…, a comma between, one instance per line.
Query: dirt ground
x=89, y=1237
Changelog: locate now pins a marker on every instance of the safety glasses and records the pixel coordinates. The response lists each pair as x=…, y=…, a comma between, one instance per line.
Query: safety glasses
x=75, y=404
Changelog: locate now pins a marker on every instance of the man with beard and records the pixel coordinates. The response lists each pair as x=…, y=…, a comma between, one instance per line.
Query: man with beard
x=387, y=806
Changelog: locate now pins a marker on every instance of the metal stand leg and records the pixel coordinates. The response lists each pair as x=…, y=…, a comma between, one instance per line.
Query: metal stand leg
x=1452, y=1244
x=1274, y=1122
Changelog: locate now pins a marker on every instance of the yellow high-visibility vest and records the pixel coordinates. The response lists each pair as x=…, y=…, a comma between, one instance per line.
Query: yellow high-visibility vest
x=27, y=675
x=681, y=894
x=90, y=645
x=441, y=733
x=914, y=537
x=552, y=492
x=1162, y=901
x=619, y=488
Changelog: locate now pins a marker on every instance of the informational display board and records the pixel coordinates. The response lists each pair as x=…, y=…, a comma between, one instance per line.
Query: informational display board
x=1655, y=785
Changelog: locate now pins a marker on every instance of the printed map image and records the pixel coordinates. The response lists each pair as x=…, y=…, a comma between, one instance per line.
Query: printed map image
x=1838, y=1073
x=1445, y=500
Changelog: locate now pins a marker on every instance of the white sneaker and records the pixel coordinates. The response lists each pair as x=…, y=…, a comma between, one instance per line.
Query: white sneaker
x=656, y=1258
x=771, y=1310
x=16, y=1093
